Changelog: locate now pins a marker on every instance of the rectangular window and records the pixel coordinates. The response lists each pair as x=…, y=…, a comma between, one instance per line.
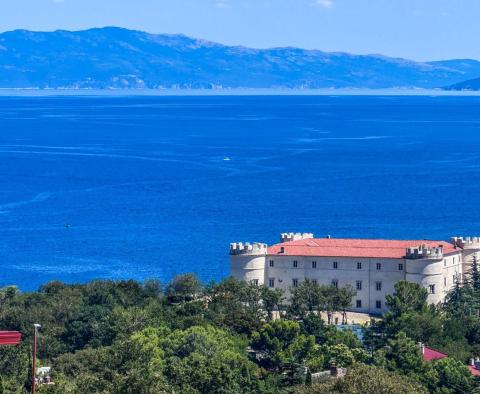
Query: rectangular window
x=359, y=285
x=359, y=303
x=378, y=304
x=453, y=278
x=314, y=264
x=255, y=282
x=431, y=289
x=444, y=281
x=271, y=282
x=379, y=266
x=335, y=265
x=444, y=262
x=271, y=263
x=295, y=282
x=400, y=267
x=359, y=265
x=378, y=286
x=335, y=283
x=295, y=263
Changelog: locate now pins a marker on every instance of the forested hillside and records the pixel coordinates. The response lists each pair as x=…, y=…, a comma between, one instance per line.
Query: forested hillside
x=129, y=337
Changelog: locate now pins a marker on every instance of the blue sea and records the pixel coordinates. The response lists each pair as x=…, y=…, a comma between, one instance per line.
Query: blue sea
x=150, y=187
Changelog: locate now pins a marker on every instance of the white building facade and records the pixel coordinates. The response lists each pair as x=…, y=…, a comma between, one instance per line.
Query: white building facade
x=370, y=266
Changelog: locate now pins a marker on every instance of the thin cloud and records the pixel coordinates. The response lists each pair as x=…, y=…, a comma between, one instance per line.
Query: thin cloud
x=324, y=3
x=222, y=3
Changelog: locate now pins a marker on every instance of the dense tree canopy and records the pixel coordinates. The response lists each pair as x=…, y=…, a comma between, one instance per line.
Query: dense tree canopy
x=234, y=337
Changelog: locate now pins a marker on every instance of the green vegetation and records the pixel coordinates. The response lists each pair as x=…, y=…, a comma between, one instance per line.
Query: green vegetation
x=234, y=337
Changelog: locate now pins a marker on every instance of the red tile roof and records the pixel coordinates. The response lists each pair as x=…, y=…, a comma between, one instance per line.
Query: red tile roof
x=10, y=337
x=333, y=247
x=474, y=371
x=432, y=354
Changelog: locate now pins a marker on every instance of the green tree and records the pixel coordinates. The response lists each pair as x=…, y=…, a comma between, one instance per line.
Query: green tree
x=408, y=297
x=473, y=275
x=229, y=306
x=331, y=301
x=208, y=360
x=308, y=296
x=421, y=327
x=453, y=377
x=272, y=300
x=366, y=379
x=253, y=301
x=183, y=288
x=345, y=297
x=281, y=344
x=400, y=355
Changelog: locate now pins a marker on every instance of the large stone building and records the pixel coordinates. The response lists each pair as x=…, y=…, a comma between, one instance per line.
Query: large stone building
x=371, y=266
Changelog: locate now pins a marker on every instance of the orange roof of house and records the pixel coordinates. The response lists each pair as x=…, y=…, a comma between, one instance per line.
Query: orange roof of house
x=373, y=248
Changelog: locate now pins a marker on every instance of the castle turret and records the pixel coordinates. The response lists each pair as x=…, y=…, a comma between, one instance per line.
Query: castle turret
x=287, y=237
x=247, y=261
x=470, y=247
x=424, y=265
x=467, y=242
x=425, y=252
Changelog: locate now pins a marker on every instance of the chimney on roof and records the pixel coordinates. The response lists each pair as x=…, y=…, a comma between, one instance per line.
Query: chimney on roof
x=472, y=362
x=333, y=370
x=329, y=236
x=476, y=363
x=282, y=249
x=422, y=347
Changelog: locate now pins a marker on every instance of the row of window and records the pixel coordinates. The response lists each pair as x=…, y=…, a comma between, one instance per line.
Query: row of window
x=378, y=287
x=271, y=263
x=359, y=285
x=378, y=304
x=453, y=261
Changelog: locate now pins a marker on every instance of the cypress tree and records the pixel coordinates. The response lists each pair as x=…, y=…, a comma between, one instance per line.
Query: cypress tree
x=474, y=275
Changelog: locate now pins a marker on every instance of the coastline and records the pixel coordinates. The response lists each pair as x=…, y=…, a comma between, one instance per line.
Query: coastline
x=33, y=92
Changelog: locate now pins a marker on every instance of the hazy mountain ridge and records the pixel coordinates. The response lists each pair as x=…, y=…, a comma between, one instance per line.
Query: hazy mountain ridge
x=121, y=58
x=471, y=84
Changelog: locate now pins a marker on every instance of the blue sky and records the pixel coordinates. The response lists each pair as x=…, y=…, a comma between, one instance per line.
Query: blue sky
x=417, y=29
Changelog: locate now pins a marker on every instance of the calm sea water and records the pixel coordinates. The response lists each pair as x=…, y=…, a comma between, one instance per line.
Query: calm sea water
x=148, y=187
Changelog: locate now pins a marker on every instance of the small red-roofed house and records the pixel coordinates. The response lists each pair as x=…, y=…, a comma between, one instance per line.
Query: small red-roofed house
x=474, y=370
x=10, y=338
x=430, y=354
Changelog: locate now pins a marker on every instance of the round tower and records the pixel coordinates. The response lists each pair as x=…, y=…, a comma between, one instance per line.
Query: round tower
x=470, y=247
x=424, y=265
x=247, y=261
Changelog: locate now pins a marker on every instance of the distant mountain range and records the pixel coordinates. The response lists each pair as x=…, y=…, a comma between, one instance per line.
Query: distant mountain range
x=113, y=57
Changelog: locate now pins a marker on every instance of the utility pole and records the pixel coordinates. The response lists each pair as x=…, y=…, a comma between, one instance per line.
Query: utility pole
x=34, y=369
